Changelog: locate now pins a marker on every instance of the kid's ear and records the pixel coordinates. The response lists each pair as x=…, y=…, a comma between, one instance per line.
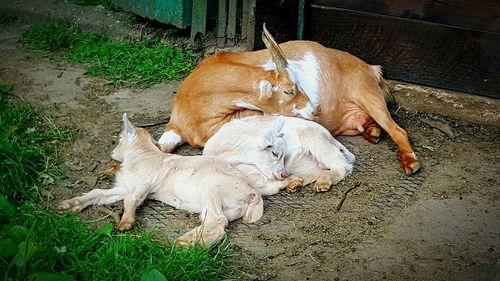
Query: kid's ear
x=128, y=128
x=278, y=124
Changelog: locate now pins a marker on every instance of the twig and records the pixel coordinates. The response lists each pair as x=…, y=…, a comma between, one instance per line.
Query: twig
x=344, y=196
x=110, y=213
x=314, y=260
x=156, y=123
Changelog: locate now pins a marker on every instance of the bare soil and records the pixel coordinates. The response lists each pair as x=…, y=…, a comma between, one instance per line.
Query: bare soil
x=441, y=224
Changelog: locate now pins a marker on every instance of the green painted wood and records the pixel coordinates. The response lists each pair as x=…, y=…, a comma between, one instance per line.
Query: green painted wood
x=199, y=18
x=174, y=12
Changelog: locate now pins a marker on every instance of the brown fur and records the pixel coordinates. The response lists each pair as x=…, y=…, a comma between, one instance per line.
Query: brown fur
x=351, y=97
x=206, y=98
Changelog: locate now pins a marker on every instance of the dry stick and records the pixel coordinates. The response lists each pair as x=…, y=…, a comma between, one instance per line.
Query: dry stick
x=156, y=123
x=108, y=212
x=344, y=196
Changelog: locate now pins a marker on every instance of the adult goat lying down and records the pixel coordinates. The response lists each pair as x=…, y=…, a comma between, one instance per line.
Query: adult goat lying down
x=221, y=89
x=346, y=94
x=203, y=184
x=311, y=152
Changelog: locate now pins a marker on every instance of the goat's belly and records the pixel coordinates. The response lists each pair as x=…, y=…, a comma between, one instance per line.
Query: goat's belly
x=178, y=202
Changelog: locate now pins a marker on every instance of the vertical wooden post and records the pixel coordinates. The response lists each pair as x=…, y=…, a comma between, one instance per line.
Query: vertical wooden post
x=231, y=22
x=199, y=18
x=222, y=23
x=248, y=23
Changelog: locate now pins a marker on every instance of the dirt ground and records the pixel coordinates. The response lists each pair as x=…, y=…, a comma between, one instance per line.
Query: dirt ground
x=440, y=224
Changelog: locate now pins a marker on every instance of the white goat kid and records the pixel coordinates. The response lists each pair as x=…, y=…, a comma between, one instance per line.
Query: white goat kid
x=201, y=184
x=311, y=152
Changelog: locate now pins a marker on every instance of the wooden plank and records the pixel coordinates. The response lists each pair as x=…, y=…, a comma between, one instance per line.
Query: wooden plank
x=231, y=22
x=221, y=23
x=199, y=19
x=414, y=51
x=245, y=18
x=250, y=25
x=481, y=15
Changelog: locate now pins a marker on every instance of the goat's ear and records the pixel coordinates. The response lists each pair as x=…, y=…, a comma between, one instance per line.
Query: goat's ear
x=278, y=124
x=128, y=128
x=265, y=90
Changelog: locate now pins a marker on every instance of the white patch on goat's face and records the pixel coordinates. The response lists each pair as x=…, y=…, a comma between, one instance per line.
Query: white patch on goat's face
x=307, y=112
x=246, y=105
x=169, y=138
x=304, y=73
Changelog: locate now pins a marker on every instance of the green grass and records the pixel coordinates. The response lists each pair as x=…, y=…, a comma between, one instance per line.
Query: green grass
x=39, y=244
x=27, y=141
x=7, y=18
x=62, y=246
x=121, y=62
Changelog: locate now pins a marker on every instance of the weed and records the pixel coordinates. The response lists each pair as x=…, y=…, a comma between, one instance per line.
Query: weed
x=7, y=18
x=122, y=62
x=38, y=242
x=26, y=141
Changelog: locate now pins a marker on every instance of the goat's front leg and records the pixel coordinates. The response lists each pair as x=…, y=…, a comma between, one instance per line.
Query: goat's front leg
x=94, y=197
x=130, y=204
x=292, y=184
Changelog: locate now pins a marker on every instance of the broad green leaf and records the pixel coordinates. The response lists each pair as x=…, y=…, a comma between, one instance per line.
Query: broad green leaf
x=153, y=275
x=105, y=229
x=7, y=210
x=8, y=248
x=18, y=233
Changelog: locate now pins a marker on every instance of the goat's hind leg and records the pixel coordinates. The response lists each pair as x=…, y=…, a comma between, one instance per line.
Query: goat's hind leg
x=130, y=203
x=94, y=197
x=210, y=230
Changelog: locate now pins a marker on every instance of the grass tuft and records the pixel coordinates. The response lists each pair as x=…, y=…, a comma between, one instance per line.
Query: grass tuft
x=61, y=244
x=26, y=141
x=121, y=62
x=6, y=18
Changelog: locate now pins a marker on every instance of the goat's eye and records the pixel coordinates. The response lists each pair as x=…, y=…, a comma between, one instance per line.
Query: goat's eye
x=275, y=154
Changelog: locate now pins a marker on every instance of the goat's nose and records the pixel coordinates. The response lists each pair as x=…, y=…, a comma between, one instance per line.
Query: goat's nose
x=280, y=175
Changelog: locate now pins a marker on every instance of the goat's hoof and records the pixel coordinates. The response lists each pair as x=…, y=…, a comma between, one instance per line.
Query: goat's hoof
x=70, y=204
x=294, y=185
x=410, y=163
x=183, y=242
x=321, y=187
x=372, y=133
x=125, y=225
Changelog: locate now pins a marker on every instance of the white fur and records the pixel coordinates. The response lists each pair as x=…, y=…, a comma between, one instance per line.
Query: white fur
x=307, y=112
x=246, y=105
x=170, y=138
x=311, y=152
x=304, y=73
x=202, y=184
